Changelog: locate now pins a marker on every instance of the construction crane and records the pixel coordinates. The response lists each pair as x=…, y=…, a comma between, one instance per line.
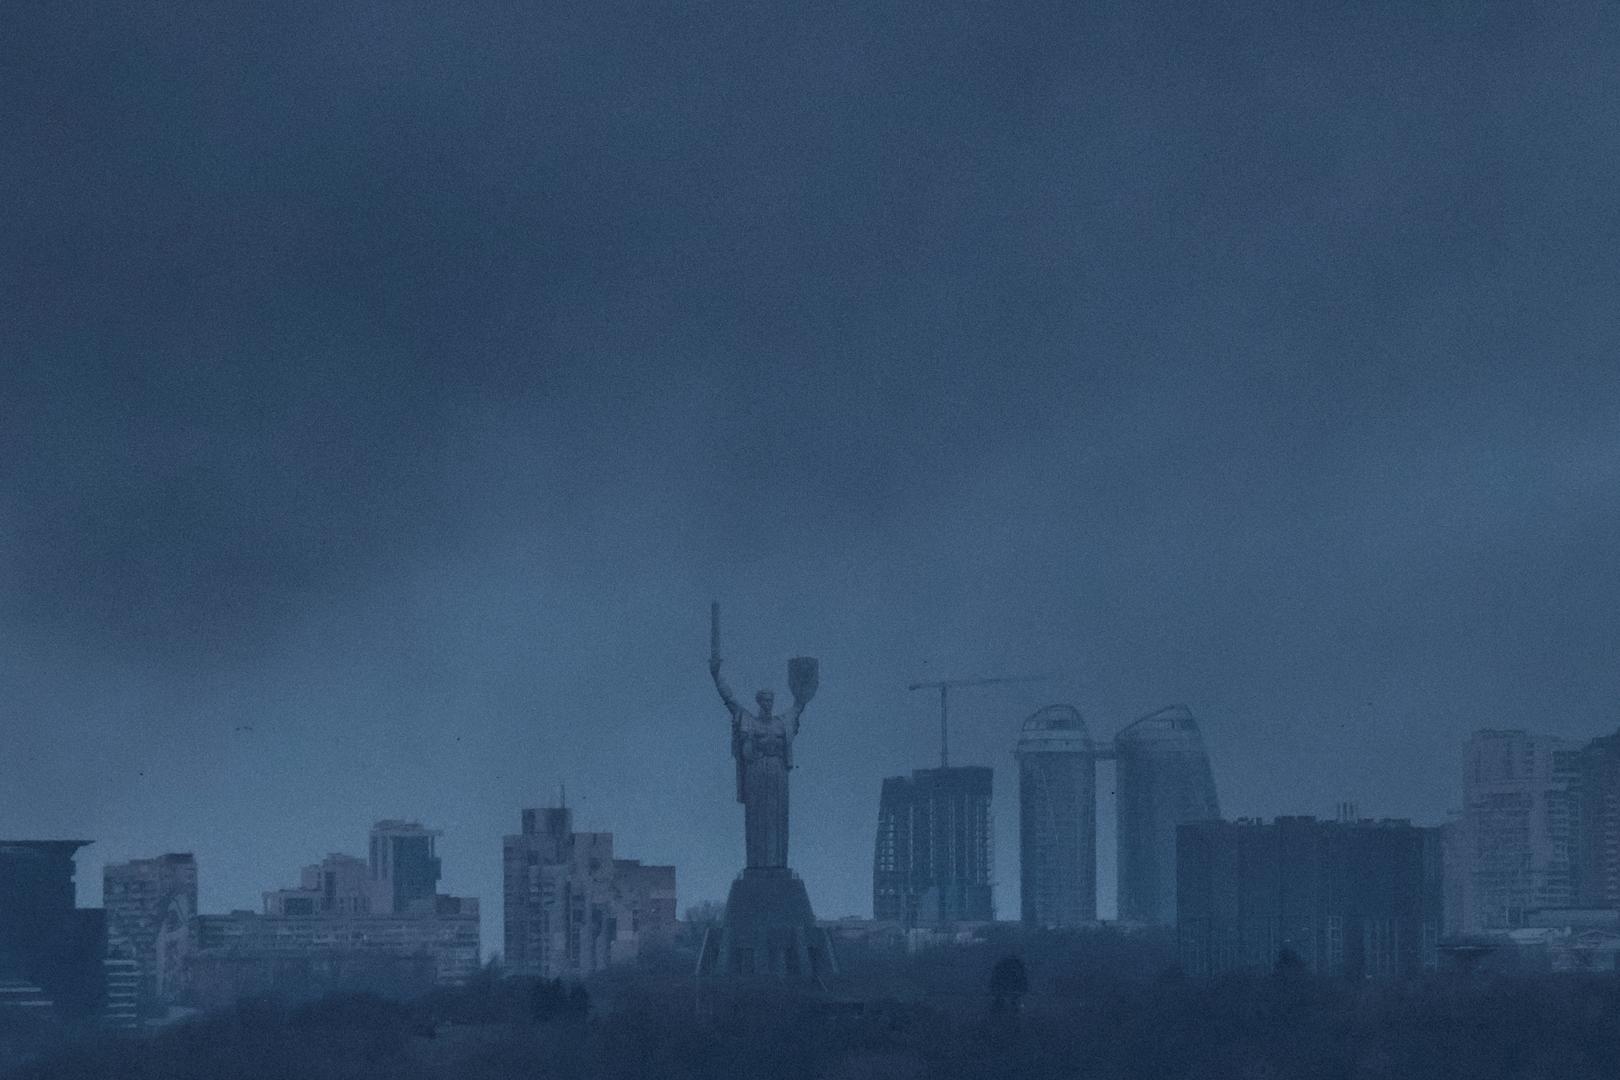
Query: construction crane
x=944, y=686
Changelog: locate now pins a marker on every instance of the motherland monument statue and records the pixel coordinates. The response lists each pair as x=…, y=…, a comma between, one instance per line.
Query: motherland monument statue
x=768, y=928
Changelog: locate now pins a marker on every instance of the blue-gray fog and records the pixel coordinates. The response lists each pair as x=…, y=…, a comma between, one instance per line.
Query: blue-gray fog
x=388, y=388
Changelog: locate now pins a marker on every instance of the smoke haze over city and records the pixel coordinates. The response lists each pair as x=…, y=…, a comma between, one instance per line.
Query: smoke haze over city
x=386, y=391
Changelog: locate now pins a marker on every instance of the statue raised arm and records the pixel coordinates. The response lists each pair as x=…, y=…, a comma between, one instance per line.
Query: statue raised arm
x=720, y=684
x=724, y=687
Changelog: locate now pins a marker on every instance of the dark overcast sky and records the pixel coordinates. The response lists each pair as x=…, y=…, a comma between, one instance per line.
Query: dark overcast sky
x=386, y=389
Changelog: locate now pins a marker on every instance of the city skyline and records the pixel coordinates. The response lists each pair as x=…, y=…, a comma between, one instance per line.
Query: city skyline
x=386, y=395
x=1523, y=872
x=1105, y=903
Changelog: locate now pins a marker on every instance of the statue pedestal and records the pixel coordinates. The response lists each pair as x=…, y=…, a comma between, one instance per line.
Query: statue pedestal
x=768, y=930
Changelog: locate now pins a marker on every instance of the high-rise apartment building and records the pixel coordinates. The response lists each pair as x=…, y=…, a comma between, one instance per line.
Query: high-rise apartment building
x=1519, y=838
x=1353, y=898
x=141, y=897
x=1598, y=831
x=572, y=909
x=934, y=857
x=1057, y=819
x=1163, y=781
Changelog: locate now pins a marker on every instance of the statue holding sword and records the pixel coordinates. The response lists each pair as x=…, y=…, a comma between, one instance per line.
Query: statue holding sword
x=762, y=744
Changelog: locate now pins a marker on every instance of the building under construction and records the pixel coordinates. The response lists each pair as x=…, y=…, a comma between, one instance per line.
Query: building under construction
x=934, y=858
x=1057, y=819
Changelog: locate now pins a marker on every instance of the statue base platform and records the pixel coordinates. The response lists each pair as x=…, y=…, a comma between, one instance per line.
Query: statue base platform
x=768, y=930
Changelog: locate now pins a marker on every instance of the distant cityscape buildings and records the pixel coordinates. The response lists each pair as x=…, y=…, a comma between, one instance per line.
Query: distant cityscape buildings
x=571, y=908
x=1534, y=854
x=934, y=859
x=1533, y=857
x=377, y=923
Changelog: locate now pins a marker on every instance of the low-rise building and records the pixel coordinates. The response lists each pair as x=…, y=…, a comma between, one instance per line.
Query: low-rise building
x=244, y=952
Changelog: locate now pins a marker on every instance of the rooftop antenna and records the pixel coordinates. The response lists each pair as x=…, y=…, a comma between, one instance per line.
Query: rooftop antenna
x=944, y=687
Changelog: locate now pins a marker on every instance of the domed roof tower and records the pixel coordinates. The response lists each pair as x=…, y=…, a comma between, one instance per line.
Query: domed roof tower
x=1057, y=819
x=1164, y=780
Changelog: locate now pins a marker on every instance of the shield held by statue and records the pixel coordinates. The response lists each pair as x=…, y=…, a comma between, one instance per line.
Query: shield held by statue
x=803, y=678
